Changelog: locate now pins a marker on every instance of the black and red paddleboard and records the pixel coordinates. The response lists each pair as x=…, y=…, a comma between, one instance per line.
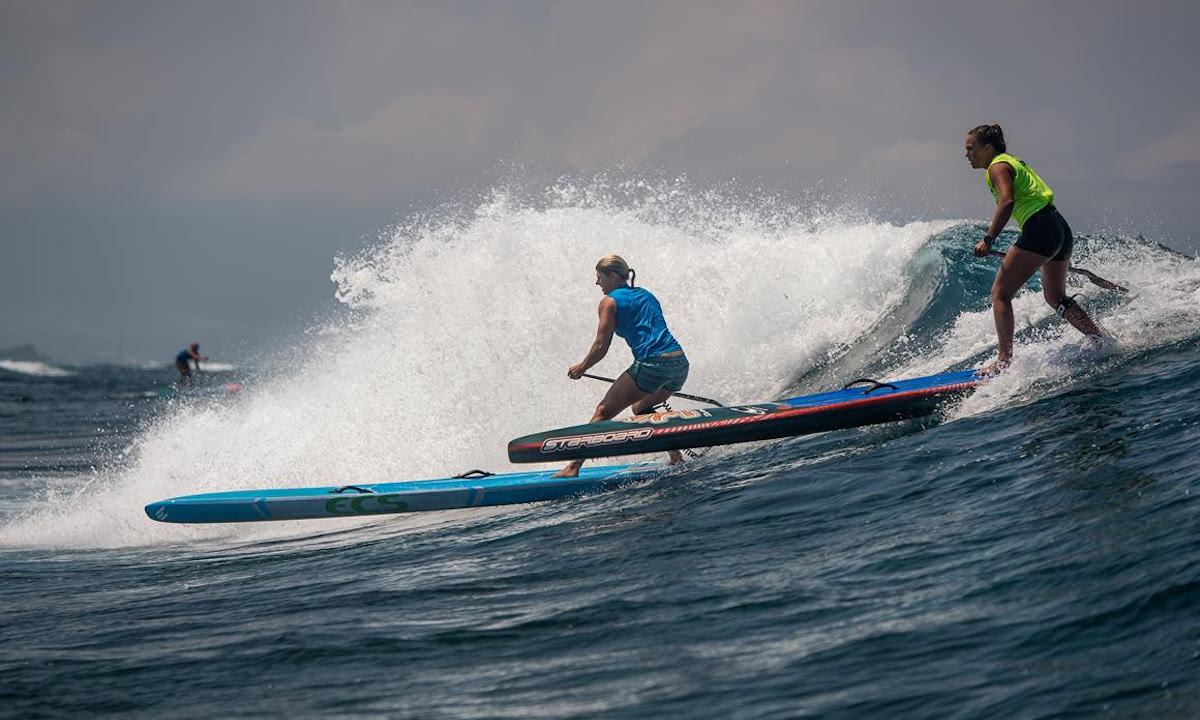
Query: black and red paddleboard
x=863, y=402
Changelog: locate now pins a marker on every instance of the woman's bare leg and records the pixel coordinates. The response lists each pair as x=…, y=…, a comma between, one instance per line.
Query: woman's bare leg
x=644, y=406
x=1054, y=289
x=623, y=393
x=1016, y=269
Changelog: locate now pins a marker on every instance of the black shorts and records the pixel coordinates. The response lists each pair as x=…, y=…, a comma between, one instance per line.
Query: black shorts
x=1047, y=233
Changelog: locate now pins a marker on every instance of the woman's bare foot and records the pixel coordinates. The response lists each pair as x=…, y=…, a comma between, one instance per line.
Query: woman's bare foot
x=570, y=471
x=995, y=368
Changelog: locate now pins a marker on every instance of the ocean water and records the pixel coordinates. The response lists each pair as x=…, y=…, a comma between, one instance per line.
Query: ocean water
x=1032, y=552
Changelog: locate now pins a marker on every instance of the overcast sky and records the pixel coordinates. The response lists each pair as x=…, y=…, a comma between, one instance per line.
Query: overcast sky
x=173, y=170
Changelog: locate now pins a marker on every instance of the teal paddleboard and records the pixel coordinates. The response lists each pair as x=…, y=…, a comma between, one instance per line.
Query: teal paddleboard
x=473, y=489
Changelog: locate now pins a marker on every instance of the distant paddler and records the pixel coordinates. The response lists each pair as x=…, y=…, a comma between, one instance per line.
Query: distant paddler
x=1045, y=241
x=659, y=366
x=190, y=353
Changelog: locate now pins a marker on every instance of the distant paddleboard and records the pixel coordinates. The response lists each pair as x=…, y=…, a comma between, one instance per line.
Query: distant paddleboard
x=863, y=402
x=204, y=390
x=473, y=489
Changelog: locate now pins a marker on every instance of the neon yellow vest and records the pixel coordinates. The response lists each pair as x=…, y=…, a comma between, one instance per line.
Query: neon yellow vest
x=1030, y=192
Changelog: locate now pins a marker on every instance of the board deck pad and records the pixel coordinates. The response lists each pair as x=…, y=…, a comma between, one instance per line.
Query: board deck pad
x=865, y=402
x=471, y=490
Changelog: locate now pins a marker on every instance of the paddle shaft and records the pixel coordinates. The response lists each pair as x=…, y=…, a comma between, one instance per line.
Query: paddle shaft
x=1093, y=277
x=697, y=398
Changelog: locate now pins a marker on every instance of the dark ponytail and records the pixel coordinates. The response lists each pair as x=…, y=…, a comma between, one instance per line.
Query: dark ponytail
x=990, y=135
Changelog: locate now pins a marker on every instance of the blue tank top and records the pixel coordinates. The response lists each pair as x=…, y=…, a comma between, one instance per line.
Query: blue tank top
x=183, y=356
x=640, y=321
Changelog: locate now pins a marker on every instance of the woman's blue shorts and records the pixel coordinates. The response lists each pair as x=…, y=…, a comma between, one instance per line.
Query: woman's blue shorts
x=654, y=374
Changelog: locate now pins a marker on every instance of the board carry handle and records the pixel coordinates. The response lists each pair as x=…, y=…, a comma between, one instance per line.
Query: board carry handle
x=350, y=488
x=875, y=385
x=471, y=474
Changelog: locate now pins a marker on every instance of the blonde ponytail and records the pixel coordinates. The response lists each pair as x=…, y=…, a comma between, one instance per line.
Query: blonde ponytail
x=617, y=265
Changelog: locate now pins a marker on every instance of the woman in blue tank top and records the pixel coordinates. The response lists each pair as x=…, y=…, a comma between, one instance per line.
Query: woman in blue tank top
x=191, y=352
x=659, y=366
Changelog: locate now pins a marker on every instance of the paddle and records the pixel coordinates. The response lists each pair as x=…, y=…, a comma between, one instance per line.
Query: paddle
x=1096, y=279
x=697, y=398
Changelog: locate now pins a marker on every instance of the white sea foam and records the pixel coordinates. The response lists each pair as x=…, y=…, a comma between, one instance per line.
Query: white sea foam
x=33, y=367
x=460, y=332
x=461, y=337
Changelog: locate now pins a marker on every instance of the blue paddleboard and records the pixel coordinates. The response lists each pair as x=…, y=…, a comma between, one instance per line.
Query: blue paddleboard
x=473, y=489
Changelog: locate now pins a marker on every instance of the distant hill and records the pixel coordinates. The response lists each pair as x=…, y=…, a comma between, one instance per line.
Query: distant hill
x=27, y=353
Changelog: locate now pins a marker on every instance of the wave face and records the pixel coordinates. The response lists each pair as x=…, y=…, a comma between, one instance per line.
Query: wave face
x=957, y=566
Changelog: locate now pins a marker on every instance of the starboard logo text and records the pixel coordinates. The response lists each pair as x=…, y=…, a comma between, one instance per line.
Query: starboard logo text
x=619, y=437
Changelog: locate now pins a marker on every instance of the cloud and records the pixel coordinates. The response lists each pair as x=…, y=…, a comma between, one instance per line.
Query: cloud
x=581, y=88
x=417, y=137
x=60, y=125
x=633, y=81
x=36, y=156
x=1173, y=158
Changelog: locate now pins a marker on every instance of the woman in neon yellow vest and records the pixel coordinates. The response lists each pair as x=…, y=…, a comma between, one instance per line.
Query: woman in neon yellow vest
x=1045, y=242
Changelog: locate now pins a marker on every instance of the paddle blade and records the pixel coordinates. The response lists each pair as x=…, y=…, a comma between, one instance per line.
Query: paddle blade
x=1093, y=277
x=1097, y=280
